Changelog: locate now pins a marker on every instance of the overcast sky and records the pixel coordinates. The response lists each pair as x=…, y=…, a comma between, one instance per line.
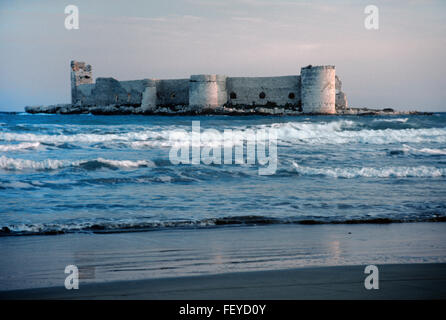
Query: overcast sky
x=401, y=65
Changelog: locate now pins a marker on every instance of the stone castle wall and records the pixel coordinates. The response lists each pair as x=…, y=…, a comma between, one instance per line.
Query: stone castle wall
x=280, y=91
x=317, y=90
x=172, y=92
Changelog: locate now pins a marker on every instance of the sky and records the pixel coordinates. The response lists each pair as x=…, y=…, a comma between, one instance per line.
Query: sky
x=401, y=65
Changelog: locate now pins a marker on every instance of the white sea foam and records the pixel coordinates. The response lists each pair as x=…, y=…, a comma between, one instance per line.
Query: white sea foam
x=81, y=137
x=428, y=151
x=402, y=120
x=22, y=164
x=334, y=132
x=53, y=164
x=136, y=140
x=19, y=146
x=126, y=163
x=369, y=172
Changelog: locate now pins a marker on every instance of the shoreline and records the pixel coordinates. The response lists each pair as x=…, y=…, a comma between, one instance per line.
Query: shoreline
x=138, y=256
x=209, y=224
x=396, y=281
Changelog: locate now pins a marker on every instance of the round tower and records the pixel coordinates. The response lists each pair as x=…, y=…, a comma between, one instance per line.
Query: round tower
x=207, y=91
x=149, y=96
x=318, y=89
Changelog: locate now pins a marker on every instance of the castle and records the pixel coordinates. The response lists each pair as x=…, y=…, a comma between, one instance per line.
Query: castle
x=317, y=90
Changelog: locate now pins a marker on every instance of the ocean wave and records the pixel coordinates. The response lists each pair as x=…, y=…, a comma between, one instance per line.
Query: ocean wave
x=135, y=140
x=81, y=137
x=53, y=164
x=125, y=163
x=23, y=164
x=16, y=185
x=19, y=146
x=140, y=226
x=423, y=151
x=291, y=133
x=401, y=120
x=341, y=133
x=334, y=132
x=369, y=172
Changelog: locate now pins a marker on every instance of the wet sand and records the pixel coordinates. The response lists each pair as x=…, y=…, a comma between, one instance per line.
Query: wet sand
x=403, y=281
x=257, y=262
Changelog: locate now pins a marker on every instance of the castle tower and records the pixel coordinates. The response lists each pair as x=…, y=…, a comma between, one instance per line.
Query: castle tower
x=207, y=91
x=149, y=95
x=80, y=74
x=318, y=89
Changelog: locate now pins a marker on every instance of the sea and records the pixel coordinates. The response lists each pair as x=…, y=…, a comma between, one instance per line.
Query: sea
x=93, y=174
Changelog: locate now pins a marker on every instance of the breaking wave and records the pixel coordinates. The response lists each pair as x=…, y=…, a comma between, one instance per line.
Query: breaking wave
x=124, y=163
x=81, y=137
x=369, y=172
x=139, y=226
x=19, y=146
x=22, y=164
x=423, y=151
x=402, y=120
x=341, y=132
x=334, y=132
x=53, y=164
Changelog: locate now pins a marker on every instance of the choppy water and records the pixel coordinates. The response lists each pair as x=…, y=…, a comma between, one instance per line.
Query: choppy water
x=83, y=173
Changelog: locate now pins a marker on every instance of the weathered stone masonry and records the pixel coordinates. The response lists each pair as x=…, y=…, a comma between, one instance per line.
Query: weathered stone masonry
x=316, y=90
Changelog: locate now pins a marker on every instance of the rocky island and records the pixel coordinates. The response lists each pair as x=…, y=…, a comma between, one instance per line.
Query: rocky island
x=317, y=90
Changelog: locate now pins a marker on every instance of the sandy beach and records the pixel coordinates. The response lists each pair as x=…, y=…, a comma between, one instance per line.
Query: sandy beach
x=403, y=281
x=257, y=262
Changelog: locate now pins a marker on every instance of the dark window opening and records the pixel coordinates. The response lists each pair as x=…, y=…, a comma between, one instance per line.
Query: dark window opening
x=233, y=95
x=262, y=95
x=291, y=95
